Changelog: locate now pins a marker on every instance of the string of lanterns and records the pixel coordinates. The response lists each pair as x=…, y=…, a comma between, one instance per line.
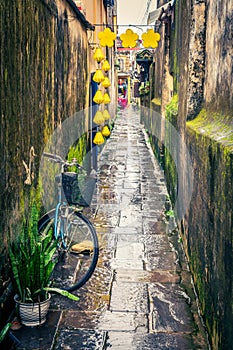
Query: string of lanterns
x=100, y=77
x=107, y=38
x=129, y=38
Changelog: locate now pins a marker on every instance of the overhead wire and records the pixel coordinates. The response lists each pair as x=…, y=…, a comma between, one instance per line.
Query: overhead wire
x=147, y=10
x=139, y=16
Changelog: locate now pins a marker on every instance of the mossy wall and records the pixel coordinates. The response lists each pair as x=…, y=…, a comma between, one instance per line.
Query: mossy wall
x=209, y=225
x=201, y=61
x=44, y=80
x=169, y=164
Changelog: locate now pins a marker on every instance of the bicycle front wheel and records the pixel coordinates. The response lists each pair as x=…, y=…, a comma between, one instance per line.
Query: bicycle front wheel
x=79, y=249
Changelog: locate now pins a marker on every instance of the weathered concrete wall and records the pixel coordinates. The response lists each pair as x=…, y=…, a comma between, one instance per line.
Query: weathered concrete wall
x=201, y=62
x=196, y=60
x=219, y=53
x=208, y=228
x=44, y=80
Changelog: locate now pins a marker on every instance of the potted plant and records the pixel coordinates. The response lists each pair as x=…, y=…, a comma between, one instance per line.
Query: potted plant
x=32, y=257
x=144, y=89
x=147, y=88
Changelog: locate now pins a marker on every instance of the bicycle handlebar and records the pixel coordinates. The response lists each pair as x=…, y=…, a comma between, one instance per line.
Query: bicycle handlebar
x=57, y=159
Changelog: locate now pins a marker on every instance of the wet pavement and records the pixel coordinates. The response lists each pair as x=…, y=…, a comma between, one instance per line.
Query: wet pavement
x=140, y=296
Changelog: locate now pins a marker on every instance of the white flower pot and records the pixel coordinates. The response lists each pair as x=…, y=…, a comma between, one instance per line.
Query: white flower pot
x=32, y=314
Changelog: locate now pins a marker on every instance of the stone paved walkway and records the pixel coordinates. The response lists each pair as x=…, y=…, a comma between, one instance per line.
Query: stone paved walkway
x=140, y=296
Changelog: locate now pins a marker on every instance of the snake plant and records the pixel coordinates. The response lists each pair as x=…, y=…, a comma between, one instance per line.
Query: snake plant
x=32, y=257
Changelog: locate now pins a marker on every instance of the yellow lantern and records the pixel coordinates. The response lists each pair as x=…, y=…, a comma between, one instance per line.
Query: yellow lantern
x=98, y=98
x=105, y=66
x=129, y=38
x=98, y=118
x=98, y=139
x=98, y=77
x=105, y=131
x=106, y=115
x=106, y=98
x=150, y=38
x=98, y=55
x=106, y=82
x=107, y=37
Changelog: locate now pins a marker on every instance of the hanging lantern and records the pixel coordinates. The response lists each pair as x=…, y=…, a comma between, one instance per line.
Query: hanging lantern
x=98, y=118
x=98, y=139
x=106, y=115
x=106, y=98
x=98, y=55
x=106, y=82
x=107, y=37
x=98, y=98
x=105, y=66
x=98, y=77
x=150, y=38
x=105, y=131
x=129, y=38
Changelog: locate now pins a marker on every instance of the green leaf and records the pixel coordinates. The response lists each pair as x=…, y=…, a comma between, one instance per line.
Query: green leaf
x=170, y=213
x=4, y=331
x=65, y=293
x=48, y=257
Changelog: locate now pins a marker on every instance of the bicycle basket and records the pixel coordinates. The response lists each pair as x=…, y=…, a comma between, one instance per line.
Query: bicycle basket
x=78, y=188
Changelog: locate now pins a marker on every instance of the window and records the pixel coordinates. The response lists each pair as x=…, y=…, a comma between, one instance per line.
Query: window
x=108, y=3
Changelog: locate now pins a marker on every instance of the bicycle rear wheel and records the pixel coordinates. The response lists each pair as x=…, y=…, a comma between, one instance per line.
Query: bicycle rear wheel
x=79, y=250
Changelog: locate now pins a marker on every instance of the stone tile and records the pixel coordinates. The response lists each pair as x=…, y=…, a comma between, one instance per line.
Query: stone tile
x=151, y=213
x=107, y=240
x=171, y=312
x=153, y=205
x=107, y=216
x=157, y=242
x=131, y=218
x=127, y=198
x=76, y=319
x=120, y=340
x=163, y=341
x=127, y=321
x=126, y=239
x=131, y=251
x=130, y=297
x=41, y=337
x=128, y=230
x=130, y=184
x=132, y=176
x=117, y=264
x=154, y=226
x=143, y=276
x=165, y=260
x=79, y=339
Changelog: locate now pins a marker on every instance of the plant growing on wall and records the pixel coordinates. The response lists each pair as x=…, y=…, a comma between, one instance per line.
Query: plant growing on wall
x=144, y=89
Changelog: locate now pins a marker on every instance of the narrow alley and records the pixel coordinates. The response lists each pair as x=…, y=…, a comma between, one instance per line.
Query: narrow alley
x=140, y=296
x=136, y=95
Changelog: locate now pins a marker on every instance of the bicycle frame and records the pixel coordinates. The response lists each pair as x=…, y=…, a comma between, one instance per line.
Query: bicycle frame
x=60, y=229
x=71, y=228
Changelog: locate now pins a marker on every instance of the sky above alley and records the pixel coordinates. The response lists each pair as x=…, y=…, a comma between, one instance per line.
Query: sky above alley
x=133, y=12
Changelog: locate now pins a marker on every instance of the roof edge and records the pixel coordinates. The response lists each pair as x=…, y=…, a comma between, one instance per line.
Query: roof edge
x=154, y=15
x=80, y=16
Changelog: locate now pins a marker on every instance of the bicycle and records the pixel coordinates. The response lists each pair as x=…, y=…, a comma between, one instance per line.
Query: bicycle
x=78, y=248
